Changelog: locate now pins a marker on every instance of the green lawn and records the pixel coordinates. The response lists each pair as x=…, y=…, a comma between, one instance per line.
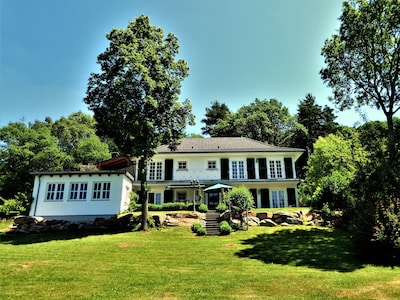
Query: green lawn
x=262, y=263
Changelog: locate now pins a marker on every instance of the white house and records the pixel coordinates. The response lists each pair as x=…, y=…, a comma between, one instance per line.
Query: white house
x=80, y=195
x=267, y=171
x=193, y=172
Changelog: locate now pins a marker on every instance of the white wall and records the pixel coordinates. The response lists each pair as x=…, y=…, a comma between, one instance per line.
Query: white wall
x=120, y=186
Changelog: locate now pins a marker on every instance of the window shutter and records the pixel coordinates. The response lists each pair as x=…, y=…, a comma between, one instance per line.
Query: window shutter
x=262, y=168
x=169, y=165
x=225, y=168
x=251, y=171
x=288, y=167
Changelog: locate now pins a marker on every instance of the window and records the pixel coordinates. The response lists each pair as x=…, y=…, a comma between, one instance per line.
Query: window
x=275, y=169
x=158, y=198
x=212, y=164
x=181, y=196
x=78, y=191
x=182, y=165
x=155, y=172
x=237, y=169
x=278, y=199
x=55, y=191
x=101, y=191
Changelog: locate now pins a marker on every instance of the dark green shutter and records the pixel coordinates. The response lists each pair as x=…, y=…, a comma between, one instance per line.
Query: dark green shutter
x=169, y=165
x=288, y=167
x=225, y=168
x=251, y=171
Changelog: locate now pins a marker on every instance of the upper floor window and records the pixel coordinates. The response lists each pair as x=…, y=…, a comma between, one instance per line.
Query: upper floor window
x=155, y=172
x=237, y=169
x=212, y=164
x=182, y=165
x=275, y=169
x=55, y=191
x=78, y=191
x=101, y=190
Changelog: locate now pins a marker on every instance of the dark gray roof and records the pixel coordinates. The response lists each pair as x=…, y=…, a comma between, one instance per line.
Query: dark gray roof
x=224, y=144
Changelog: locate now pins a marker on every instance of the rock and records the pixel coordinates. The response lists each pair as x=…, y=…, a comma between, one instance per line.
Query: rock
x=225, y=216
x=159, y=220
x=268, y=223
x=252, y=221
x=294, y=221
x=264, y=215
x=20, y=220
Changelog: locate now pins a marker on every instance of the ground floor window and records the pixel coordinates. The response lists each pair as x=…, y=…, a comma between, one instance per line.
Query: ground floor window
x=55, y=191
x=278, y=199
x=101, y=191
x=181, y=196
x=78, y=191
x=155, y=198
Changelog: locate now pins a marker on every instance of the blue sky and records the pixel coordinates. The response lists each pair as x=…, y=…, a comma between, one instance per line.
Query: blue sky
x=237, y=50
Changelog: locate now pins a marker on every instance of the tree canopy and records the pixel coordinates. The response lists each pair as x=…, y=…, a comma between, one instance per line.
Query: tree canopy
x=135, y=96
x=363, y=59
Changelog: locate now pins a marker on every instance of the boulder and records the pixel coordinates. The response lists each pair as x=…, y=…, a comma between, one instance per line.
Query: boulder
x=264, y=215
x=252, y=221
x=225, y=216
x=159, y=220
x=294, y=221
x=268, y=223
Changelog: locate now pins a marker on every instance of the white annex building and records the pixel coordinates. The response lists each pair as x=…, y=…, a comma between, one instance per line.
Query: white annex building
x=197, y=171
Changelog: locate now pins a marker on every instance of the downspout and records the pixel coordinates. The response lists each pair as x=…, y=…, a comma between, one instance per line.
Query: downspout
x=37, y=197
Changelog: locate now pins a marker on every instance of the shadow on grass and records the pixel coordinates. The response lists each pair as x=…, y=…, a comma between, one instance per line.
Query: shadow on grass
x=330, y=250
x=33, y=238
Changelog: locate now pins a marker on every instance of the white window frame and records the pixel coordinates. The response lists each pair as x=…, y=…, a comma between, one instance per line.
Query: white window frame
x=101, y=190
x=55, y=191
x=238, y=169
x=78, y=191
x=275, y=169
x=182, y=165
x=278, y=199
x=212, y=165
x=155, y=170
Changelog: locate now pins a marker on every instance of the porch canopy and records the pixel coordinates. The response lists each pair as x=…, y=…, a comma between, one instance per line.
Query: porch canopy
x=217, y=188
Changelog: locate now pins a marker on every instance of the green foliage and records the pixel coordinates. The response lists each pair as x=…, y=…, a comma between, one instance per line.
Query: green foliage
x=15, y=206
x=331, y=170
x=203, y=208
x=221, y=207
x=216, y=118
x=387, y=227
x=363, y=60
x=240, y=199
x=133, y=205
x=135, y=95
x=225, y=228
x=198, y=229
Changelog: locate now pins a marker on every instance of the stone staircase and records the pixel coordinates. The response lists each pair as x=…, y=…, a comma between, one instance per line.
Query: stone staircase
x=212, y=224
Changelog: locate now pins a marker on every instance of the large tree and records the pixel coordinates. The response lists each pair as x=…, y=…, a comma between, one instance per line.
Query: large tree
x=363, y=59
x=216, y=116
x=317, y=120
x=135, y=95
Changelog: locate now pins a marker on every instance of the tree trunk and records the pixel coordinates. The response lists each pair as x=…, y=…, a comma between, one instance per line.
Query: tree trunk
x=143, y=192
x=393, y=156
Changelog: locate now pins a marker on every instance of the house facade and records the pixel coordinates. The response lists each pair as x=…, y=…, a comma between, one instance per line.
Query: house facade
x=80, y=195
x=193, y=173
x=182, y=175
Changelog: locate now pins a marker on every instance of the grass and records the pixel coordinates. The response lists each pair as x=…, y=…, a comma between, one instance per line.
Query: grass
x=261, y=263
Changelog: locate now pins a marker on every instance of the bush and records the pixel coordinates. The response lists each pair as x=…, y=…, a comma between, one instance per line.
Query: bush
x=225, y=228
x=203, y=208
x=199, y=229
x=221, y=207
x=174, y=206
x=13, y=207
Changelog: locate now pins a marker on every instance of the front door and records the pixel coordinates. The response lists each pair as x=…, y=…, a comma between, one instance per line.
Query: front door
x=213, y=200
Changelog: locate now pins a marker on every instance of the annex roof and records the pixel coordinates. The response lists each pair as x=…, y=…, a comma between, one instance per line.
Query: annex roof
x=224, y=144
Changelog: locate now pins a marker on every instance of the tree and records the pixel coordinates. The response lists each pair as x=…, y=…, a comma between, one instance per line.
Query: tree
x=363, y=60
x=216, y=115
x=331, y=170
x=239, y=199
x=25, y=149
x=317, y=121
x=135, y=96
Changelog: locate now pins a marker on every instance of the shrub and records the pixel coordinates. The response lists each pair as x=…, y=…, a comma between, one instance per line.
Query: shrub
x=174, y=206
x=221, y=207
x=13, y=207
x=199, y=229
x=203, y=208
x=225, y=228
x=155, y=207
